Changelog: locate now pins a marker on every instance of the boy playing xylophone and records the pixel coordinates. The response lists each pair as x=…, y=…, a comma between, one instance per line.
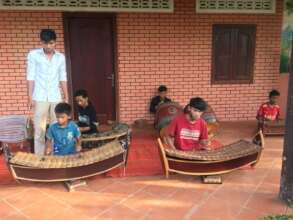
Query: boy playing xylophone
x=269, y=111
x=63, y=136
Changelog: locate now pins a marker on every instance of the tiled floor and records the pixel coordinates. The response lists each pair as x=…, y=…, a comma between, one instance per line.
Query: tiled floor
x=249, y=193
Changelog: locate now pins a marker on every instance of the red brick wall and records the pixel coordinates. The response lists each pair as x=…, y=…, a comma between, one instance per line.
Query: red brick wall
x=19, y=32
x=153, y=49
x=175, y=50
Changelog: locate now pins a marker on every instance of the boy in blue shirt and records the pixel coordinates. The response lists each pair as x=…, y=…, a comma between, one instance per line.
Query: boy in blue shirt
x=63, y=136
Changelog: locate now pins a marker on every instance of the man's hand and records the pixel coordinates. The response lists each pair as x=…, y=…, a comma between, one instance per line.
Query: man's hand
x=48, y=151
x=63, y=85
x=31, y=103
x=66, y=99
x=78, y=148
x=84, y=129
x=205, y=145
x=205, y=148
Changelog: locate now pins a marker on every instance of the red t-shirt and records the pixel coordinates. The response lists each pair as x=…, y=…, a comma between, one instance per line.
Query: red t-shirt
x=187, y=135
x=270, y=112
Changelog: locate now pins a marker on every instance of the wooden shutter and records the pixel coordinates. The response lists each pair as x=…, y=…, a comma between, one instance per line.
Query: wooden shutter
x=222, y=43
x=233, y=53
x=244, y=53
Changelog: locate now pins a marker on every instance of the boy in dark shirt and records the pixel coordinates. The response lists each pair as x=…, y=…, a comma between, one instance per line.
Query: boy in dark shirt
x=87, y=119
x=159, y=99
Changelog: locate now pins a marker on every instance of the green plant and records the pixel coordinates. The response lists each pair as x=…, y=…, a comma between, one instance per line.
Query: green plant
x=289, y=6
x=281, y=217
x=278, y=217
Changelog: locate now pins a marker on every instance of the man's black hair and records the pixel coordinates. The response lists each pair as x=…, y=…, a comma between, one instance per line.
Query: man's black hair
x=47, y=35
x=81, y=92
x=63, y=108
x=274, y=93
x=198, y=103
x=162, y=88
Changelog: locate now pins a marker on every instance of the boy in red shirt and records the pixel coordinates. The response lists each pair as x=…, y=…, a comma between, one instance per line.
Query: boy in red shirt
x=188, y=131
x=269, y=111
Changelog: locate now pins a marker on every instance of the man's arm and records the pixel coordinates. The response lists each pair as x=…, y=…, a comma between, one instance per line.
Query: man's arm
x=78, y=138
x=204, y=144
x=260, y=114
x=93, y=119
x=170, y=141
x=168, y=138
x=31, y=85
x=63, y=78
x=153, y=105
x=31, y=73
x=203, y=139
x=49, y=147
x=278, y=117
x=78, y=144
x=49, y=142
x=84, y=129
x=64, y=90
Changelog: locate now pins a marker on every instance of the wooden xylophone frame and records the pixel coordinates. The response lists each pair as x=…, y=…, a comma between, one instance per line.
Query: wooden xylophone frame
x=273, y=129
x=206, y=168
x=27, y=173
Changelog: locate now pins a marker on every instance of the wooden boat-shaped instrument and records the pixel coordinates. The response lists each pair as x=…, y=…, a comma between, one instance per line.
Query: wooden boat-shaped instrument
x=32, y=167
x=274, y=128
x=110, y=154
x=214, y=162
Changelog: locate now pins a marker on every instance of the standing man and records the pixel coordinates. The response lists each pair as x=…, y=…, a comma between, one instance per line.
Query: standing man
x=46, y=73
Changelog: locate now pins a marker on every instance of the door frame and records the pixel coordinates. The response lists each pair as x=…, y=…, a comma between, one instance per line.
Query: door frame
x=66, y=17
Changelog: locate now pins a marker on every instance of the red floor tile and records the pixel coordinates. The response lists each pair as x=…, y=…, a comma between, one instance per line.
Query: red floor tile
x=245, y=194
x=6, y=209
x=266, y=203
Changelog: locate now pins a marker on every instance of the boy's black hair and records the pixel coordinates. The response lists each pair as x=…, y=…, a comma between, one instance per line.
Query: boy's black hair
x=63, y=108
x=162, y=88
x=81, y=92
x=198, y=103
x=274, y=93
x=47, y=35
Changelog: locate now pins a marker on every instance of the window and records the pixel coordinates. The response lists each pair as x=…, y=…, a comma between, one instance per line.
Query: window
x=233, y=53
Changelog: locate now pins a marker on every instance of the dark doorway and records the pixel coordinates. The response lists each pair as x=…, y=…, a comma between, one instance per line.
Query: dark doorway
x=90, y=49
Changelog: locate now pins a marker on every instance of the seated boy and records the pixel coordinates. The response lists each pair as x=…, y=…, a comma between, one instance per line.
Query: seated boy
x=188, y=131
x=159, y=99
x=269, y=111
x=63, y=136
x=87, y=118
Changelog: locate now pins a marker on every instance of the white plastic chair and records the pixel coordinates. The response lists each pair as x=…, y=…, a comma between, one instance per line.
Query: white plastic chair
x=13, y=129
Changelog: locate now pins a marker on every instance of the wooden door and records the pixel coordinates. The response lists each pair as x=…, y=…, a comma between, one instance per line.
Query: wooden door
x=90, y=50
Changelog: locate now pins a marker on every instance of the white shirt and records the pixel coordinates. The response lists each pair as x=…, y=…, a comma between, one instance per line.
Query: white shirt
x=46, y=75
